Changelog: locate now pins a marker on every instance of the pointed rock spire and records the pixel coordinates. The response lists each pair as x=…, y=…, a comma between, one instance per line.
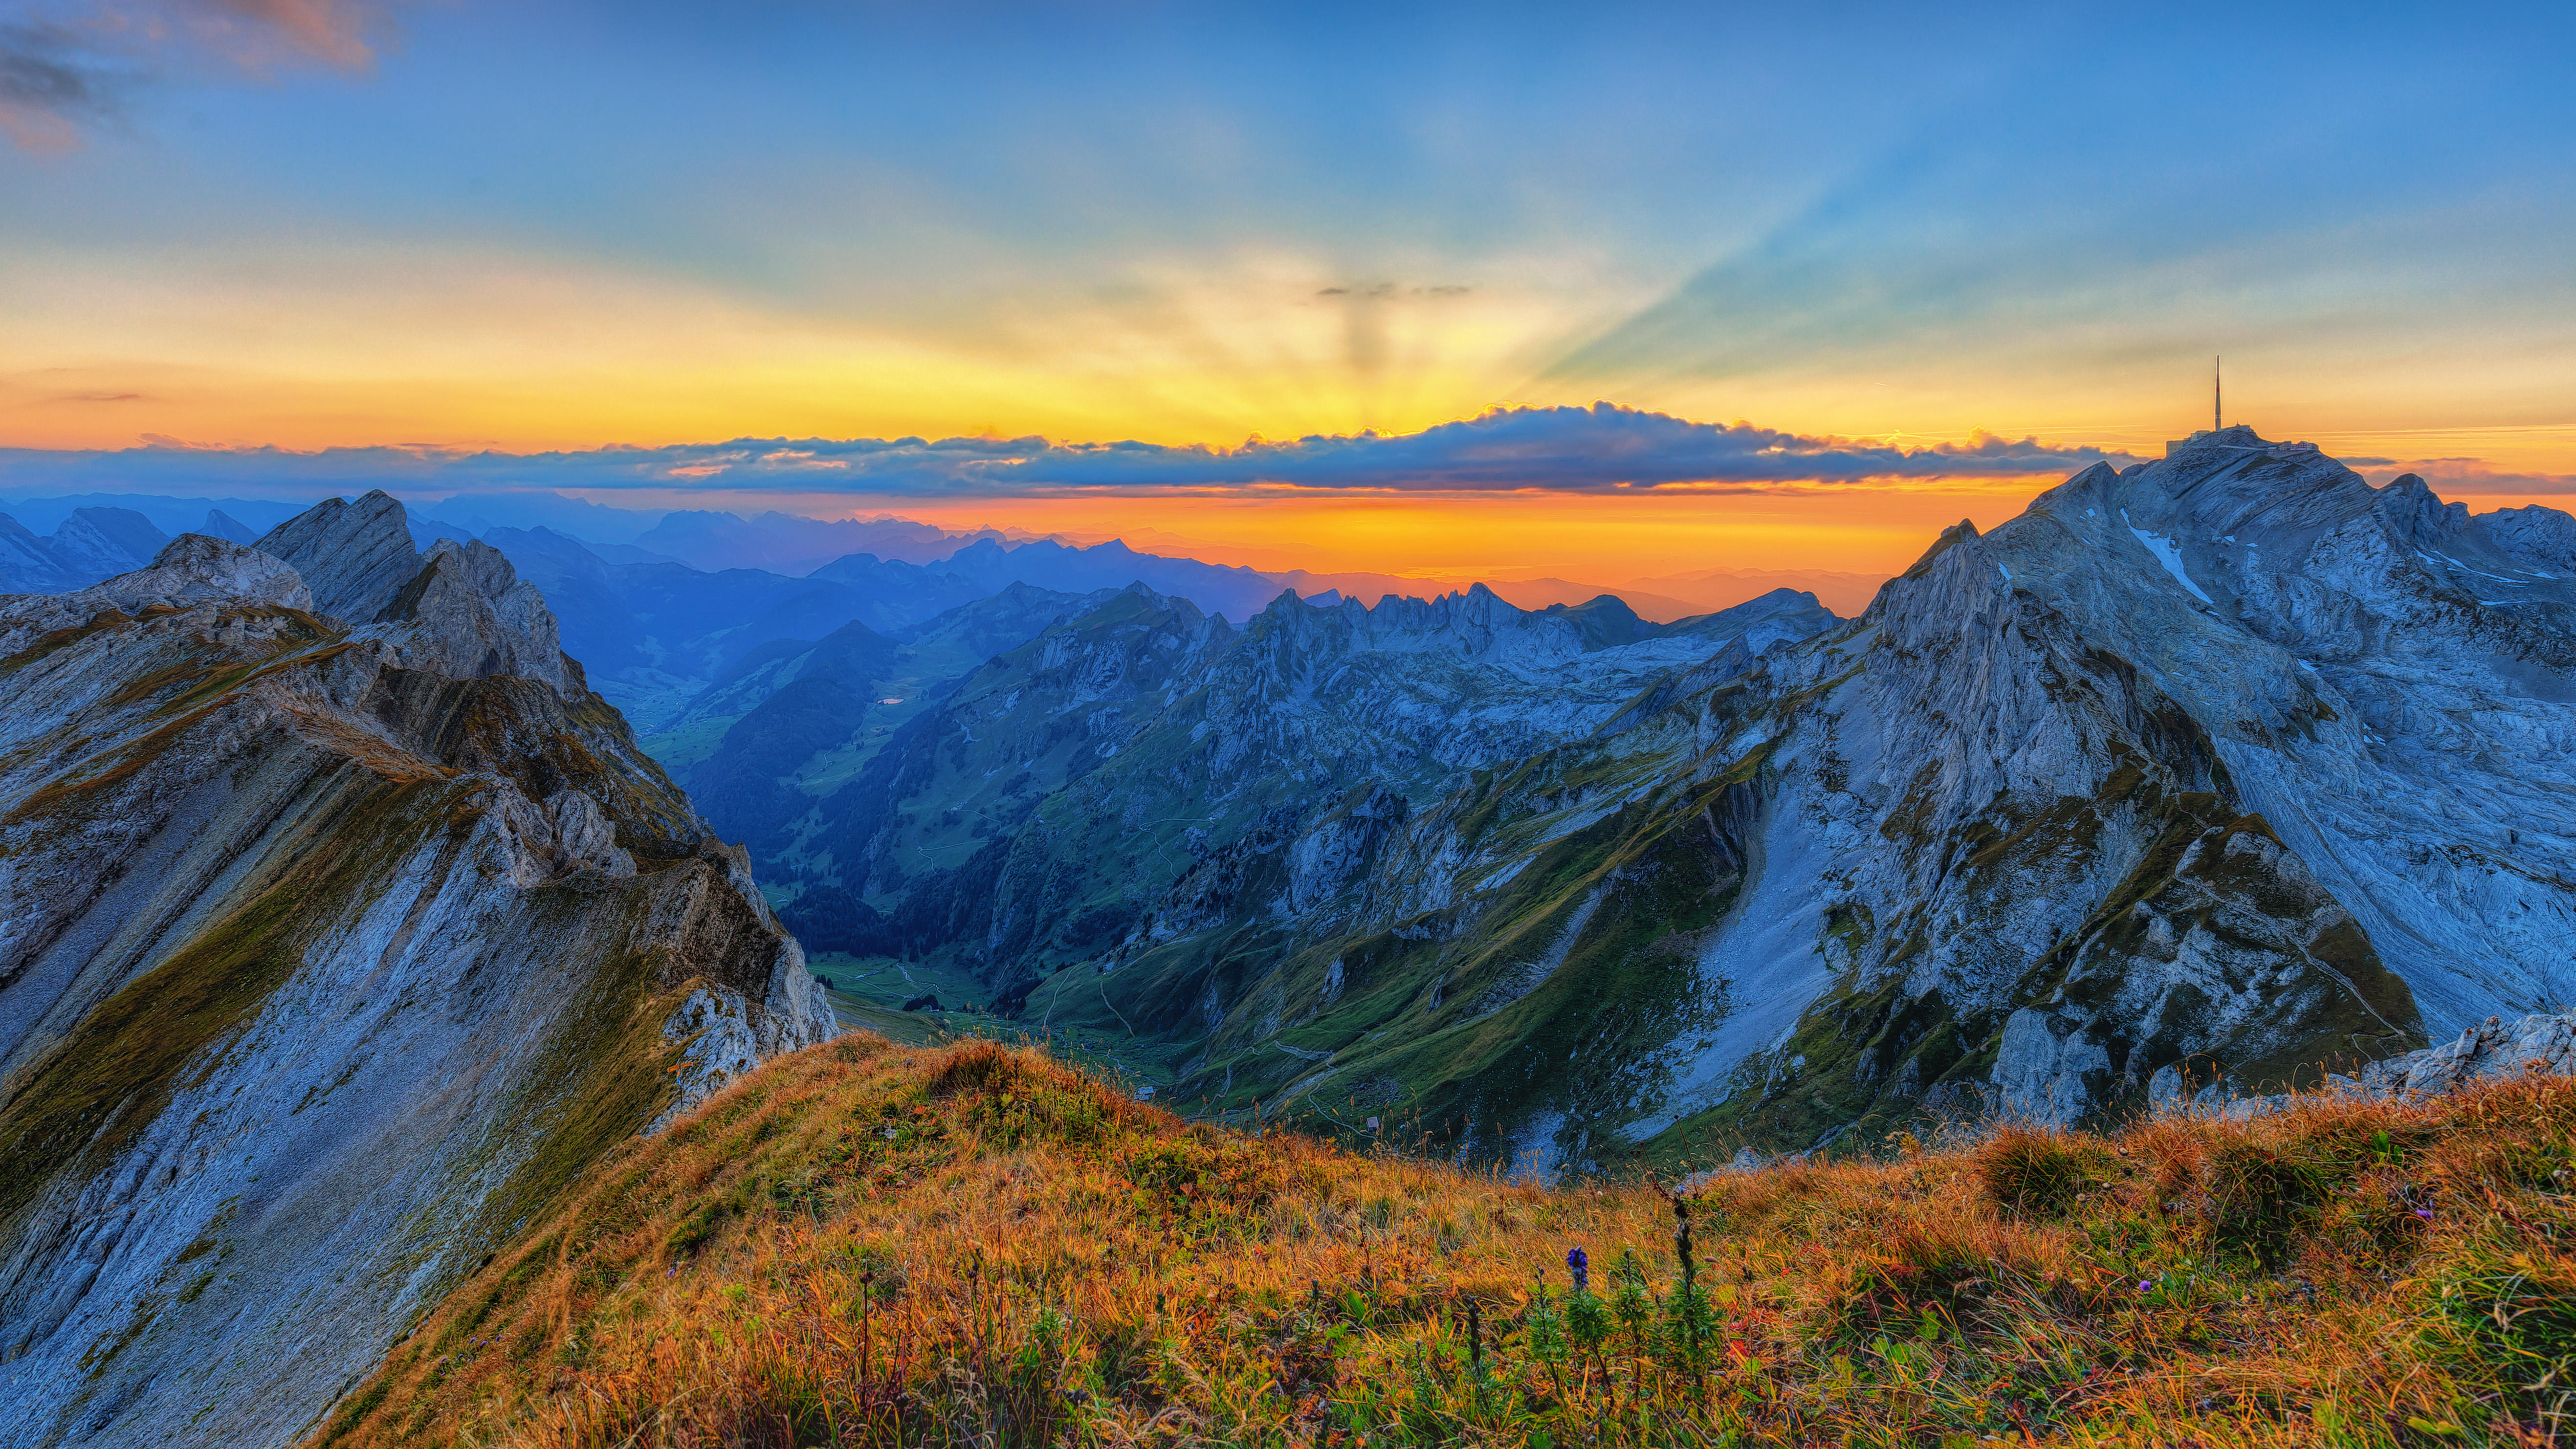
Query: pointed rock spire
x=356, y=557
x=467, y=611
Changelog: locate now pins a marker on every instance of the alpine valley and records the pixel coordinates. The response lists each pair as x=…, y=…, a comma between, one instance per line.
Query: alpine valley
x=2204, y=777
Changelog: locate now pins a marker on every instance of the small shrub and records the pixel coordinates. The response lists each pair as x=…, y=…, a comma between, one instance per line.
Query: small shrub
x=876, y=1271
x=2177, y=1162
x=1019, y=1097
x=2041, y=1174
x=2259, y=1197
x=1194, y=1182
x=2377, y=1221
x=1950, y=1264
x=693, y=1231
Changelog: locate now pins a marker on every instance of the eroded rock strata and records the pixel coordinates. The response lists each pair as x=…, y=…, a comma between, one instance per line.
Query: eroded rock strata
x=340, y=924
x=2226, y=767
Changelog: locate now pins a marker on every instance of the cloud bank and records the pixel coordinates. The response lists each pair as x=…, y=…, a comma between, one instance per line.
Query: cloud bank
x=1600, y=449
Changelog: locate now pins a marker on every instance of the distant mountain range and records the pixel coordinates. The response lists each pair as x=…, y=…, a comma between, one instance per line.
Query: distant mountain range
x=1032, y=816
x=1663, y=600
x=93, y=542
x=795, y=547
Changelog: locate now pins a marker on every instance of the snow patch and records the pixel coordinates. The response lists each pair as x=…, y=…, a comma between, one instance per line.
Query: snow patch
x=2167, y=554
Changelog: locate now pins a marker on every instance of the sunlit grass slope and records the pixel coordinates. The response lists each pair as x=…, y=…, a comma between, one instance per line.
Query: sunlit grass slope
x=865, y=1244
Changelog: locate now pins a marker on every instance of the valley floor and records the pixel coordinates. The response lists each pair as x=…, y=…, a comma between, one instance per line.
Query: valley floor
x=871, y=993
x=864, y=1243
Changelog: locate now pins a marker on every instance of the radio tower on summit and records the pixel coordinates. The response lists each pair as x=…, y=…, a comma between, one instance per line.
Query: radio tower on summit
x=2217, y=413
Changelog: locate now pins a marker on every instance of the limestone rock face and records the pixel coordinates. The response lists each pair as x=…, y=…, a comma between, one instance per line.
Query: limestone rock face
x=460, y=610
x=469, y=614
x=355, y=557
x=192, y=569
x=2226, y=768
x=2490, y=1050
x=332, y=942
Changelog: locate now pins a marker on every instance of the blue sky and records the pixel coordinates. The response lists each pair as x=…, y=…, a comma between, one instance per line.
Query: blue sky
x=549, y=226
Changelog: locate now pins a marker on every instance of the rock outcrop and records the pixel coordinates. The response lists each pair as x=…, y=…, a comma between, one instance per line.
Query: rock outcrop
x=2492, y=1050
x=339, y=928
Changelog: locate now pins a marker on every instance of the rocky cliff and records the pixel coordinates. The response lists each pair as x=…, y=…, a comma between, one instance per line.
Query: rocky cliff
x=2223, y=769
x=339, y=925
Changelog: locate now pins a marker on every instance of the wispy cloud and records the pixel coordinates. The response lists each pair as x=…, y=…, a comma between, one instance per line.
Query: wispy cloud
x=1600, y=449
x=53, y=82
x=339, y=32
x=70, y=67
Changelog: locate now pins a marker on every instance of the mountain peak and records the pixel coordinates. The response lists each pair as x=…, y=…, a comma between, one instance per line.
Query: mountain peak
x=477, y=617
x=2237, y=435
x=356, y=557
x=1964, y=531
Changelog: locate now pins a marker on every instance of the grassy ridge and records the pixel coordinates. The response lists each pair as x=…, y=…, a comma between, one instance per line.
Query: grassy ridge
x=864, y=1244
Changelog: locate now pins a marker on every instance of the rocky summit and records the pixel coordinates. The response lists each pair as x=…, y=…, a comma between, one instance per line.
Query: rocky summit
x=340, y=926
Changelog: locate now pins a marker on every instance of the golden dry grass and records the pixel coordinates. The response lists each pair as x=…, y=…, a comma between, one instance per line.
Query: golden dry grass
x=862, y=1244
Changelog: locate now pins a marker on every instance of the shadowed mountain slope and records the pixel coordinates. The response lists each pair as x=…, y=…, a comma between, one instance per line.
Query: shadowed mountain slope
x=2222, y=767
x=340, y=925
x=1029, y=820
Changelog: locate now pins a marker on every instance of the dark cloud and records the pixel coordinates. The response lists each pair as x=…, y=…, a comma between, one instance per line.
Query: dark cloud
x=52, y=83
x=1600, y=449
x=73, y=69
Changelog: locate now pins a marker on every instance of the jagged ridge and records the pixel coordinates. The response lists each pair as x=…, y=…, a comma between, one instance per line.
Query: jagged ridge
x=339, y=927
x=2228, y=766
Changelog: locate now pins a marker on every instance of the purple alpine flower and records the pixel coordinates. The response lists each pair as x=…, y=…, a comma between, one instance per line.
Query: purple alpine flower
x=1581, y=1267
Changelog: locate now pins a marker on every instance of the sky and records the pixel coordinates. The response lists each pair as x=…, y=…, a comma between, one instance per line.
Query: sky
x=1409, y=288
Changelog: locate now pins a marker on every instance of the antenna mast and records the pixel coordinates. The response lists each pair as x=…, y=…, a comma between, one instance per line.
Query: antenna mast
x=2217, y=396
